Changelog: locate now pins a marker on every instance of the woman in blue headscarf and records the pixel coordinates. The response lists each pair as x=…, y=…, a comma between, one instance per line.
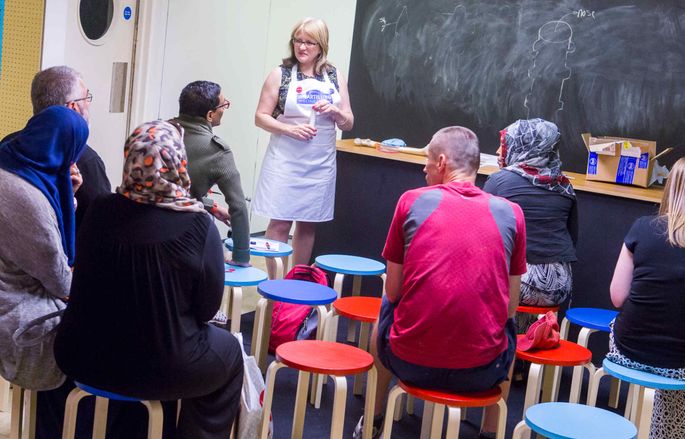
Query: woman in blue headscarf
x=37, y=236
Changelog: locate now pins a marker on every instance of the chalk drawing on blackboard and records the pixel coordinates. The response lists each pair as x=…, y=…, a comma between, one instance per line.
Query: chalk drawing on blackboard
x=384, y=23
x=554, y=43
x=454, y=11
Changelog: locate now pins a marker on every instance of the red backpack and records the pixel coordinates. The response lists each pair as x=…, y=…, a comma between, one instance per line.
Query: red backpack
x=290, y=321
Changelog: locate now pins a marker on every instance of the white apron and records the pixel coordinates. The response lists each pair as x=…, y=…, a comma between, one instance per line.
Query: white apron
x=297, y=180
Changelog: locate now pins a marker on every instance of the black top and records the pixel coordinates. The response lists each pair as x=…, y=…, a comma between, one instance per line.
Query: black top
x=95, y=182
x=145, y=281
x=551, y=218
x=650, y=328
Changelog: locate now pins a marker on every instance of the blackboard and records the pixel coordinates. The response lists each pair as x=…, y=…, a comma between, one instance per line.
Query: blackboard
x=605, y=67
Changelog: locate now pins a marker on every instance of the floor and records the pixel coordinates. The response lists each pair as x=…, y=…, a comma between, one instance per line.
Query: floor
x=317, y=422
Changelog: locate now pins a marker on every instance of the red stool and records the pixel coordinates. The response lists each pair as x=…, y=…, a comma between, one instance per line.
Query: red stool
x=358, y=308
x=434, y=409
x=321, y=357
x=566, y=354
x=530, y=309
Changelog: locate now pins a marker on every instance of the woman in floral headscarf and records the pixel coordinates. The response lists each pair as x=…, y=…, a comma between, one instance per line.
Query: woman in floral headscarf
x=148, y=276
x=531, y=177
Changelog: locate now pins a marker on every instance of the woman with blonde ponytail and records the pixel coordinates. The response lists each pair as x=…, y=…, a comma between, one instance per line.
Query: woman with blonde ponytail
x=649, y=287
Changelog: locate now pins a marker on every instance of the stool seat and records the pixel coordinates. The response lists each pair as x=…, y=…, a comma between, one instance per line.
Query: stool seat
x=566, y=354
x=562, y=420
x=360, y=308
x=324, y=357
x=346, y=264
x=297, y=291
x=283, y=248
x=235, y=276
x=593, y=318
x=470, y=399
x=530, y=309
x=105, y=394
x=642, y=378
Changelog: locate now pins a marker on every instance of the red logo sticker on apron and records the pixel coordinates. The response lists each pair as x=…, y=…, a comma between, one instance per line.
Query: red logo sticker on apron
x=298, y=89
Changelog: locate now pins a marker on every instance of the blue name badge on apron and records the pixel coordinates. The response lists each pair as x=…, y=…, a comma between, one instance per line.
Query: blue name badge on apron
x=626, y=170
x=312, y=97
x=592, y=164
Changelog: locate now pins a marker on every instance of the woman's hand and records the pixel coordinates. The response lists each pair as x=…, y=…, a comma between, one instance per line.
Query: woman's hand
x=76, y=178
x=326, y=108
x=301, y=132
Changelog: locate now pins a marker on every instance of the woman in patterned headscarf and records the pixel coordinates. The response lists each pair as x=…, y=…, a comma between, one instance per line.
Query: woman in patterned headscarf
x=531, y=177
x=148, y=276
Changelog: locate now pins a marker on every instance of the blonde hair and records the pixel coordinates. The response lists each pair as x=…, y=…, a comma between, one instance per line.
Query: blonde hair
x=673, y=204
x=316, y=29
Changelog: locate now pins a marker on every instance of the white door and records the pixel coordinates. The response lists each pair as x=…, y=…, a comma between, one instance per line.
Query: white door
x=99, y=43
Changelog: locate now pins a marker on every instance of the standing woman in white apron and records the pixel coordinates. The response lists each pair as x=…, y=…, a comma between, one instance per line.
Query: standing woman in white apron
x=301, y=103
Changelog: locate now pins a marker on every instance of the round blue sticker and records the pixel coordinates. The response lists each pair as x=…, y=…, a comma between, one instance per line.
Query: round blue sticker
x=127, y=13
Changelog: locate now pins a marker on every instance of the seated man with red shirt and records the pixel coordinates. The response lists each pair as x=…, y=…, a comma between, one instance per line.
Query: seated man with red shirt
x=455, y=256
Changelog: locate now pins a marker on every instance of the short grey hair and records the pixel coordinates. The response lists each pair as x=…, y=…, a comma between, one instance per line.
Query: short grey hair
x=54, y=86
x=460, y=147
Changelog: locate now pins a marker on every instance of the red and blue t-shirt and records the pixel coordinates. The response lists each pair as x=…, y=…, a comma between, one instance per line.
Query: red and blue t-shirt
x=458, y=245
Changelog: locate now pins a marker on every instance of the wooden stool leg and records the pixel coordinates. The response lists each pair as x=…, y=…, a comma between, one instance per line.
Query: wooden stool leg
x=17, y=414
x=577, y=381
x=453, y=421
x=70, y=410
x=4, y=395
x=426, y=419
x=389, y=411
x=399, y=408
x=646, y=414
x=363, y=345
x=265, y=334
x=280, y=268
x=436, y=424
x=410, y=406
x=351, y=325
x=300, y=404
x=520, y=429
x=236, y=308
x=155, y=422
x=563, y=333
x=29, y=420
x=100, y=419
x=257, y=326
x=369, y=404
x=338, y=418
x=338, y=283
x=593, y=387
x=533, y=386
x=269, y=397
x=502, y=418
x=614, y=392
x=318, y=379
x=630, y=402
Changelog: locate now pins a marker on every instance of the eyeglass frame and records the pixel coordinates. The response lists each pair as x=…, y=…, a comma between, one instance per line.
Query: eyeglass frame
x=226, y=104
x=308, y=44
x=88, y=98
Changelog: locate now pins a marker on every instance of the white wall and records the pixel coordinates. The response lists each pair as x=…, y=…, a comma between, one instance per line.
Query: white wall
x=236, y=43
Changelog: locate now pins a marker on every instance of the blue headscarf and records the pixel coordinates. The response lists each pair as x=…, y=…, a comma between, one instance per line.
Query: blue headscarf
x=41, y=154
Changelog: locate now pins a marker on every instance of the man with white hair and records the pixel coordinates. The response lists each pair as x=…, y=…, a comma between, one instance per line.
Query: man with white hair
x=62, y=85
x=455, y=256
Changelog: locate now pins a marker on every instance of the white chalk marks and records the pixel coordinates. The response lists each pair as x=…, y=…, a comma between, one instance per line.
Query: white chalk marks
x=384, y=23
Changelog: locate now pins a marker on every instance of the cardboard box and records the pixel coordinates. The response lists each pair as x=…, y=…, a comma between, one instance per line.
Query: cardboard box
x=619, y=160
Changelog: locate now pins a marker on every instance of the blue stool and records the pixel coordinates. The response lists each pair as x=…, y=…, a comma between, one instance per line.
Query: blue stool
x=234, y=279
x=289, y=291
x=562, y=420
x=154, y=409
x=355, y=266
x=641, y=394
x=591, y=320
x=280, y=256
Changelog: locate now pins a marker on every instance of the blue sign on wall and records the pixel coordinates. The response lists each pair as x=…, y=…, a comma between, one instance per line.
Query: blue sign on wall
x=127, y=12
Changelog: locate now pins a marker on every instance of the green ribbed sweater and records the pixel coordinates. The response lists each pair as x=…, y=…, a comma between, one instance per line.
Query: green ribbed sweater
x=210, y=162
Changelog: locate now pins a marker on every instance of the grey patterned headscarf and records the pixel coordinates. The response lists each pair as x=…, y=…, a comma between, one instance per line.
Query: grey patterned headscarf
x=529, y=148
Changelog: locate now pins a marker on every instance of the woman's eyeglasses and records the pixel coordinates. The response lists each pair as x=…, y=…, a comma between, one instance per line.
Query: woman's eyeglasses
x=225, y=105
x=307, y=44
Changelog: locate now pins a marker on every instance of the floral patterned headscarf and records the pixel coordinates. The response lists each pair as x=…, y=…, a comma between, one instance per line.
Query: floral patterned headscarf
x=529, y=148
x=155, y=168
